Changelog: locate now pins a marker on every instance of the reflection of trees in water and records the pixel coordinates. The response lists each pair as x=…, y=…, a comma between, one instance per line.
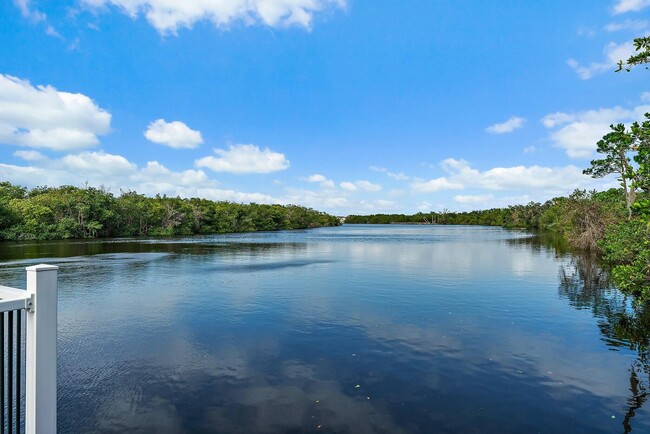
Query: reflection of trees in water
x=198, y=245
x=622, y=322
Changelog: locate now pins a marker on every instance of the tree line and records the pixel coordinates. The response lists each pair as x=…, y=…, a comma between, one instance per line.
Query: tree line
x=72, y=212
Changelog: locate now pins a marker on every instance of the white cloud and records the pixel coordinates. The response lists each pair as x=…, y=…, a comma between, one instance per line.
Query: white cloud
x=630, y=25
x=613, y=54
x=549, y=180
x=508, y=126
x=316, y=178
x=51, y=31
x=117, y=173
x=327, y=199
x=28, y=12
x=623, y=6
x=42, y=117
x=29, y=155
x=645, y=97
x=530, y=149
x=99, y=163
x=532, y=177
x=324, y=182
x=349, y=186
x=156, y=178
x=167, y=16
x=433, y=185
x=367, y=186
x=245, y=159
x=379, y=205
x=579, y=132
x=360, y=185
x=236, y=196
x=474, y=199
x=36, y=16
x=174, y=134
x=396, y=176
x=30, y=176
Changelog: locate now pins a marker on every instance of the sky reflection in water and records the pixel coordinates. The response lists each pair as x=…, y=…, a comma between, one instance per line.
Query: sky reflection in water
x=354, y=329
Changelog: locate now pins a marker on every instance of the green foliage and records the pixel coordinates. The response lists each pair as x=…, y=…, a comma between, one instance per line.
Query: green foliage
x=627, y=247
x=71, y=212
x=642, y=47
x=616, y=147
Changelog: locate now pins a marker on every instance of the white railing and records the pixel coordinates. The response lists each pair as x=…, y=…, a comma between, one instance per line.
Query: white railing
x=28, y=318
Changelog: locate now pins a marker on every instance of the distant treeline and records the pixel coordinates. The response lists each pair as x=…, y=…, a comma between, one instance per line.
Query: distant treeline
x=72, y=212
x=582, y=217
x=596, y=221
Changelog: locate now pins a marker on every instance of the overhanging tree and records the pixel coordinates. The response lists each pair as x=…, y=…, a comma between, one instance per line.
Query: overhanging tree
x=616, y=147
x=642, y=56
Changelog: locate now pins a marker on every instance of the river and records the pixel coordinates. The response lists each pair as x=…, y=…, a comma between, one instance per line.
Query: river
x=353, y=329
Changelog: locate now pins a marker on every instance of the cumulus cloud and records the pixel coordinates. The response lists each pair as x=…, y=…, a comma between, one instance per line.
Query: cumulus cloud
x=99, y=162
x=27, y=11
x=245, y=159
x=437, y=184
x=367, y=186
x=622, y=6
x=322, y=180
x=628, y=25
x=379, y=205
x=117, y=173
x=396, y=176
x=167, y=16
x=474, y=199
x=551, y=180
x=174, y=134
x=579, y=132
x=325, y=199
x=349, y=186
x=613, y=53
x=360, y=185
x=29, y=155
x=43, y=117
x=515, y=122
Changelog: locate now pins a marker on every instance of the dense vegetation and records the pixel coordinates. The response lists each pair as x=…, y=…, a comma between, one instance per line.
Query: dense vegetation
x=582, y=217
x=71, y=212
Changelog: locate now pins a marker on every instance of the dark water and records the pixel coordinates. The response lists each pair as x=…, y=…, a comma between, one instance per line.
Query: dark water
x=356, y=329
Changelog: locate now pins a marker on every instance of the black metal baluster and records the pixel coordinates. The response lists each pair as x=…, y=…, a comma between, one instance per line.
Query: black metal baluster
x=2, y=373
x=19, y=342
x=10, y=372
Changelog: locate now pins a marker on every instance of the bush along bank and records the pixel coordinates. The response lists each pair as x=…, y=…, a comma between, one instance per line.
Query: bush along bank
x=47, y=213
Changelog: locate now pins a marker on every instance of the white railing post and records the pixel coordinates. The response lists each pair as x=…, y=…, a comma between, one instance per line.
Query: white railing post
x=40, y=351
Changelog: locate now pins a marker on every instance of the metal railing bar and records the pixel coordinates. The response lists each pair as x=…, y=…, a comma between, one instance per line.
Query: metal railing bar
x=6, y=290
x=19, y=342
x=10, y=305
x=10, y=371
x=2, y=374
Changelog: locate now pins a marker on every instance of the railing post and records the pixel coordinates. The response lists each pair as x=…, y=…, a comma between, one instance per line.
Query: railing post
x=40, y=351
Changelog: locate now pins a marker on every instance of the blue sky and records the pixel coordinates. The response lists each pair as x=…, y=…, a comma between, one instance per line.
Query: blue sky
x=347, y=106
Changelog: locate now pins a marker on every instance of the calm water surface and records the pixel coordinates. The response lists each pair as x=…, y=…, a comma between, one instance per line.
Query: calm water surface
x=356, y=329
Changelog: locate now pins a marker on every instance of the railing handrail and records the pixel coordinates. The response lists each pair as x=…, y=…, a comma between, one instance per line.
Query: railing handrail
x=6, y=291
x=13, y=299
